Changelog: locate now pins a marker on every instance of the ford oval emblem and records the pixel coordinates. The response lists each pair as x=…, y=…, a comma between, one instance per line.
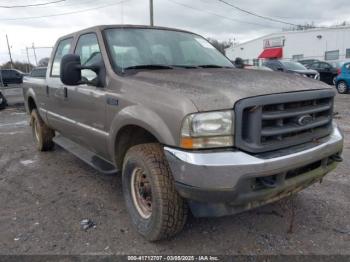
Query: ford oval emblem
x=304, y=120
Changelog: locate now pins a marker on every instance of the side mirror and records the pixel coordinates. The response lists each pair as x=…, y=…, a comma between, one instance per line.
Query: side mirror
x=280, y=69
x=70, y=73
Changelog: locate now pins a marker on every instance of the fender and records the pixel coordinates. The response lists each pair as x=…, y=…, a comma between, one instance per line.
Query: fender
x=28, y=93
x=143, y=117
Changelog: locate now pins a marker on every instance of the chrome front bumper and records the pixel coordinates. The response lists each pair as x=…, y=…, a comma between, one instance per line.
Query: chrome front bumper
x=221, y=173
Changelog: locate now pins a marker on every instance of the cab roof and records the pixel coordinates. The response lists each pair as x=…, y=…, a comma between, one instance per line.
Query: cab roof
x=103, y=27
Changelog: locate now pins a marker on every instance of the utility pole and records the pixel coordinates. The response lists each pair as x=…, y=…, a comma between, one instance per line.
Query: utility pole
x=28, y=60
x=36, y=60
x=8, y=46
x=151, y=15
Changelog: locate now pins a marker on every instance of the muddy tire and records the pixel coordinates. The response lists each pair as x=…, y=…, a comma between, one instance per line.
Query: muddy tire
x=156, y=209
x=42, y=134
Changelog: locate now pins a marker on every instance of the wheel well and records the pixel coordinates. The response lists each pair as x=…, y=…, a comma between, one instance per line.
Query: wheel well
x=31, y=104
x=128, y=137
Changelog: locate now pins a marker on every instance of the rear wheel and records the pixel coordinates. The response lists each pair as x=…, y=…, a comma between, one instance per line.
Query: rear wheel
x=342, y=87
x=156, y=209
x=42, y=134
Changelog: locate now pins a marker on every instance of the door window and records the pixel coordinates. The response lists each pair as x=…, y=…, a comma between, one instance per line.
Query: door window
x=324, y=66
x=315, y=66
x=89, y=52
x=62, y=49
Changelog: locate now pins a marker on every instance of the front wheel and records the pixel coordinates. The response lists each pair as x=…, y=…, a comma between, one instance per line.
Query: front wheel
x=156, y=209
x=42, y=134
x=342, y=87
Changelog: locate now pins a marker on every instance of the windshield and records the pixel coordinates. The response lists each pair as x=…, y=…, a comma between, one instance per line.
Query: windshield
x=293, y=66
x=135, y=48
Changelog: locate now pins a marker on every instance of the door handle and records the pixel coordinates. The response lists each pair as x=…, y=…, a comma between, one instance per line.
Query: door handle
x=65, y=92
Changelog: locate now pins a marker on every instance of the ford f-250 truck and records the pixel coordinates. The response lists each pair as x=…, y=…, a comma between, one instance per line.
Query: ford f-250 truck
x=187, y=130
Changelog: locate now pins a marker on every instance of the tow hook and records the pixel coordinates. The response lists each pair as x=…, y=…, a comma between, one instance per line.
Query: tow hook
x=336, y=158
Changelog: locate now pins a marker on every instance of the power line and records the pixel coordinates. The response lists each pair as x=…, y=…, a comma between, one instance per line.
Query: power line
x=31, y=5
x=67, y=3
x=65, y=13
x=257, y=15
x=221, y=16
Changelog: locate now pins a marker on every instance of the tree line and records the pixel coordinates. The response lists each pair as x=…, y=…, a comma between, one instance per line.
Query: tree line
x=24, y=66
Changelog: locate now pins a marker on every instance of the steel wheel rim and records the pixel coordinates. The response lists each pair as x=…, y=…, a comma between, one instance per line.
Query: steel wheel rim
x=36, y=132
x=141, y=191
x=342, y=87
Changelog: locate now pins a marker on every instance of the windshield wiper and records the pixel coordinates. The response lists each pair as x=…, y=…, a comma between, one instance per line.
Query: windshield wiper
x=154, y=67
x=212, y=66
x=185, y=66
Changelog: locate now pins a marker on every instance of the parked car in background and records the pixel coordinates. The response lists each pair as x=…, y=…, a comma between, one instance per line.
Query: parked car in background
x=339, y=64
x=10, y=76
x=328, y=73
x=343, y=80
x=307, y=61
x=38, y=72
x=291, y=67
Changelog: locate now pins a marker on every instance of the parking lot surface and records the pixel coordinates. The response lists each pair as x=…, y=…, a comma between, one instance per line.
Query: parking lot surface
x=45, y=196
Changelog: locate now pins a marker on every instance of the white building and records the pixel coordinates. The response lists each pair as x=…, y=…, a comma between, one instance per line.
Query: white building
x=330, y=44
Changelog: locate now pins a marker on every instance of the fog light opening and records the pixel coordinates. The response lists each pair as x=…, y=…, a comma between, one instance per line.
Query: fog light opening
x=336, y=158
x=268, y=181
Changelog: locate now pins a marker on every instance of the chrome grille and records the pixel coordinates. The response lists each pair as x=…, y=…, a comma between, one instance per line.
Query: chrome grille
x=278, y=121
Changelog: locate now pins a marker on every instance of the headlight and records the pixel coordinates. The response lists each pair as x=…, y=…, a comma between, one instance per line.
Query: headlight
x=207, y=130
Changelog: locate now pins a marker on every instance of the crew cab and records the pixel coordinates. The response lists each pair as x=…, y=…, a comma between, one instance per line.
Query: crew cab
x=186, y=130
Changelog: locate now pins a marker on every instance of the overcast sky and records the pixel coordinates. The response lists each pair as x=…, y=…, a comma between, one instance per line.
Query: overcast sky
x=209, y=18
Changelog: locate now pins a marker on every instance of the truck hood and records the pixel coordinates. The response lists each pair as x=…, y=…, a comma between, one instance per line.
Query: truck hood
x=216, y=89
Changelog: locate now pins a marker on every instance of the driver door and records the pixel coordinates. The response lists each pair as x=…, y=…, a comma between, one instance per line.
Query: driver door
x=87, y=101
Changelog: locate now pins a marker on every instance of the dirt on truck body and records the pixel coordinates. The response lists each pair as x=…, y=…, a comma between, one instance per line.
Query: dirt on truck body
x=188, y=131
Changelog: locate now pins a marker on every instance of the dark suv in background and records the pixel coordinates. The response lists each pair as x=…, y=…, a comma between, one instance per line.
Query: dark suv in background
x=10, y=76
x=328, y=73
x=292, y=67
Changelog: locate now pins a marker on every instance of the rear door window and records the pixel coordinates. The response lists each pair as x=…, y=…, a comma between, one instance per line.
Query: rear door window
x=324, y=66
x=315, y=66
x=5, y=73
x=39, y=73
